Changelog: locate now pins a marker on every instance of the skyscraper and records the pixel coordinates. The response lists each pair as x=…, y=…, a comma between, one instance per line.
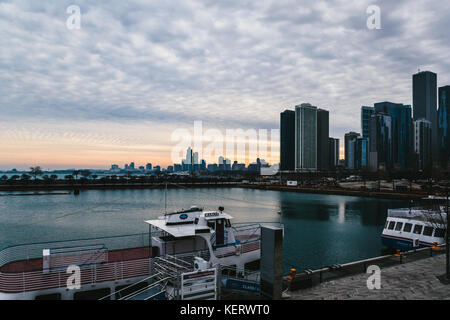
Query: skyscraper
x=383, y=140
x=422, y=143
x=305, y=137
x=287, y=140
x=349, y=149
x=333, y=152
x=323, y=128
x=361, y=152
x=444, y=126
x=425, y=104
x=402, y=136
x=366, y=112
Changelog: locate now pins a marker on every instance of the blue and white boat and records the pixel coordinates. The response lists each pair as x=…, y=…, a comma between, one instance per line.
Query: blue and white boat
x=407, y=229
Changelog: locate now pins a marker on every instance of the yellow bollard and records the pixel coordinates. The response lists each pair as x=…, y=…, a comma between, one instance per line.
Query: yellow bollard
x=435, y=246
x=292, y=274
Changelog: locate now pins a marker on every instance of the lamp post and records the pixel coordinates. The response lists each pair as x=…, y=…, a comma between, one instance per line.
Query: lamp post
x=447, y=263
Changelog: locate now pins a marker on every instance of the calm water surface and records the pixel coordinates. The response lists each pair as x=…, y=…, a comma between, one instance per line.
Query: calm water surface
x=320, y=230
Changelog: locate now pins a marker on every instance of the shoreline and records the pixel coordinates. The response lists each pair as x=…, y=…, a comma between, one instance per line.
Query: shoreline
x=395, y=195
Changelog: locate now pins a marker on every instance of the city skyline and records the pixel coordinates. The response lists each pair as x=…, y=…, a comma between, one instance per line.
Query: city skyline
x=113, y=91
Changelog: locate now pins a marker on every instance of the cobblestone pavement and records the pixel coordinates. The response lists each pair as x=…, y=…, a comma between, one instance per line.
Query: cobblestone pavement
x=410, y=281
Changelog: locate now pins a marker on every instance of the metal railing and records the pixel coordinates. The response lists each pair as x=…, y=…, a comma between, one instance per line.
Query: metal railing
x=34, y=250
x=90, y=274
x=160, y=285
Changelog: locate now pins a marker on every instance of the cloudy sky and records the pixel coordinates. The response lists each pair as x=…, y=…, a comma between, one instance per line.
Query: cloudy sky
x=115, y=90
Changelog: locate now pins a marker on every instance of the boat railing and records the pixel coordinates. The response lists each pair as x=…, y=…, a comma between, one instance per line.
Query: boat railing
x=82, y=246
x=251, y=231
x=59, y=278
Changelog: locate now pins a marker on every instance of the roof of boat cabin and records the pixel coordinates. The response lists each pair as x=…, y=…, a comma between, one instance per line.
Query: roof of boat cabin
x=179, y=230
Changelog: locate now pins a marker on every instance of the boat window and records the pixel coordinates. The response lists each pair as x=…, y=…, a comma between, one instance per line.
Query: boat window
x=428, y=231
x=211, y=224
x=228, y=223
x=399, y=226
x=417, y=229
x=386, y=224
x=391, y=225
x=408, y=227
x=439, y=233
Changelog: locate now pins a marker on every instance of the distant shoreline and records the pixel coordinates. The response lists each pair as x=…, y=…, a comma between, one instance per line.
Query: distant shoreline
x=398, y=195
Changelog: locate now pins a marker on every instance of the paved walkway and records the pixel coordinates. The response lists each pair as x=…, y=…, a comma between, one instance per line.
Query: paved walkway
x=411, y=281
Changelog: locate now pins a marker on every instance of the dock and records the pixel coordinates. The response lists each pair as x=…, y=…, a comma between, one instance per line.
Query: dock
x=418, y=279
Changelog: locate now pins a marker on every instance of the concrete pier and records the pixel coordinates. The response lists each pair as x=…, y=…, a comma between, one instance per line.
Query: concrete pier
x=415, y=280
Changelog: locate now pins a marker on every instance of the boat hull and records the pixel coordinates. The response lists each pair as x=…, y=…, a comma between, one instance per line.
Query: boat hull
x=402, y=244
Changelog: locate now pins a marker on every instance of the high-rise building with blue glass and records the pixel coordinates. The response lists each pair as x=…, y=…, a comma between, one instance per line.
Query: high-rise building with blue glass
x=402, y=137
x=333, y=152
x=366, y=112
x=422, y=143
x=349, y=149
x=392, y=136
x=444, y=126
x=305, y=137
x=425, y=105
x=380, y=142
x=361, y=152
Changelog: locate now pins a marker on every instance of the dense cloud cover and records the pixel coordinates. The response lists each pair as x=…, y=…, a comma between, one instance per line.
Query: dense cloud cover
x=136, y=70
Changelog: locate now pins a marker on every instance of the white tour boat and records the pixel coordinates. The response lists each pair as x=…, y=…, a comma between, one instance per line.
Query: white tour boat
x=109, y=266
x=407, y=229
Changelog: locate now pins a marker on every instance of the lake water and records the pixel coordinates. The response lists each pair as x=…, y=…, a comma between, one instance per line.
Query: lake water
x=320, y=230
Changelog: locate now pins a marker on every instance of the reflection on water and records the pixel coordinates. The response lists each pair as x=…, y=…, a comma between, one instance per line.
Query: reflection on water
x=319, y=229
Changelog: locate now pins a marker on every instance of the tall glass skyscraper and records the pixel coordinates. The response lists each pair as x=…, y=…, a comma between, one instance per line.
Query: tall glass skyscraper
x=333, y=152
x=383, y=140
x=349, y=149
x=366, y=112
x=287, y=140
x=305, y=137
x=323, y=128
x=422, y=143
x=425, y=104
x=391, y=140
x=444, y=126
x=361, y=152
x=402, y=136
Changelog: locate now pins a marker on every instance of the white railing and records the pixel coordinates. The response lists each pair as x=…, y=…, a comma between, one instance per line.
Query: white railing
x=37, y=280
x=34, y=250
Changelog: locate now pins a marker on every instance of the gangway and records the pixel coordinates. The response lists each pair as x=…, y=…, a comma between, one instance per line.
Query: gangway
x=155, y=283
x=154, y=291
x=241, y=280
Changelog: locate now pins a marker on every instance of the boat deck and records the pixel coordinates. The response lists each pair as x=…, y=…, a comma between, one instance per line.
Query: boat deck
x=112, y=256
